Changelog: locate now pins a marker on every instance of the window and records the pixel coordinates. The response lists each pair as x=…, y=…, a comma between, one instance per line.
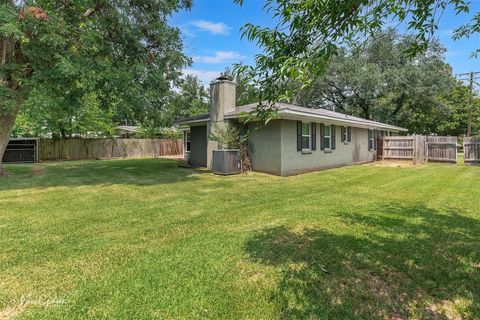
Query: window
x=345, y=134
x=187, y=141
x=306, y=136
x=371, y=140
x=327, y=137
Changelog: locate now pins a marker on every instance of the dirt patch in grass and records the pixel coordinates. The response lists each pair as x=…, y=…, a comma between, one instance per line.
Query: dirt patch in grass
x=443, y=309
x=393, y=163
x=37, y=171
x=10, y=312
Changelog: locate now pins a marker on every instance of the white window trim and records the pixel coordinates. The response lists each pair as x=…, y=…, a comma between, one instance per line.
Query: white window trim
x=345, y=135
x=309, y=136
x=329, y=136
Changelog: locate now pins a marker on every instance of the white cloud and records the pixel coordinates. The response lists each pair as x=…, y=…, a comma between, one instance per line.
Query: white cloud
x=212, y=27
x=206, y=76
x=457, y=53
x=220, y=57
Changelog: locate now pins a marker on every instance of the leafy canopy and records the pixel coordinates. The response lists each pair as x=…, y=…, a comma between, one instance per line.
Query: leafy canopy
x=90, y=64
x=309, y=32
x=377, y=81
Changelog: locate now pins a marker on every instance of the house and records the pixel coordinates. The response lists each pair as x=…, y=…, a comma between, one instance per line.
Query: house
x=297, y=140
x=126, y=132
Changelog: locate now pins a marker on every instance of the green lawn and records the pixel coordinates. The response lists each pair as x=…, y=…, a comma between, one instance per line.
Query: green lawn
x=143, y=239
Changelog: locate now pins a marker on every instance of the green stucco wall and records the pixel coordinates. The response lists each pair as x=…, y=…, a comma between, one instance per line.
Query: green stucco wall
x=275, y=150
x=198, y=146
x=294, y=161
x=265, y=144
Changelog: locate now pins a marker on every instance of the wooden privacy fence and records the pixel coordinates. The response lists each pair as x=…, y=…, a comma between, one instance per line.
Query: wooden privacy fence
x=401, y=148
x=417, y=148
x=442, y=149
x=85, y=149
x=471, y=147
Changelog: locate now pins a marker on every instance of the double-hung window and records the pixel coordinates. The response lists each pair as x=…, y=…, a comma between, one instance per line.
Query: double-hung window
x=187, y=141
x=371, y=140
x=345, y=134
x=327, y=137
x=306, y=136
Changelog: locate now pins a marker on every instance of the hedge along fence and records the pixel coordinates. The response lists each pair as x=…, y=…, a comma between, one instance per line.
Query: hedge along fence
x=90, y=149
x=471, y=148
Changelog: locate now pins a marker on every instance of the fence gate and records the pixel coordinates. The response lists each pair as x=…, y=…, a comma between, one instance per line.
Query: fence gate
x=471, y=147
x=399, y=148
x=402, y=148
x=21, y=151
x=418, y=148
x=442, y=149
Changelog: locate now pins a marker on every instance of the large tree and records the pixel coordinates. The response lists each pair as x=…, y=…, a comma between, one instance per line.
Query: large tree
x=377, y=81
x=191, y=98
x=458, y=104
x=246, y=92
x=82, y=59
x=309, y=32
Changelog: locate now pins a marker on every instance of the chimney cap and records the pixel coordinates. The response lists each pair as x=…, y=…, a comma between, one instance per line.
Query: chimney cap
x=223, y=78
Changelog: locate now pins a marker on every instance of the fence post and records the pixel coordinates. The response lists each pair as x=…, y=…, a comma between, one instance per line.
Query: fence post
x=419, y=148
x=380, y=146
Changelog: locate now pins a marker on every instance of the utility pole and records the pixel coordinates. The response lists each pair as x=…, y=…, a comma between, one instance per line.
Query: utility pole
x=472, y=76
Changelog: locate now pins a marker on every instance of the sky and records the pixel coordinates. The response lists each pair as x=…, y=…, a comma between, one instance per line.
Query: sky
x=212, y=36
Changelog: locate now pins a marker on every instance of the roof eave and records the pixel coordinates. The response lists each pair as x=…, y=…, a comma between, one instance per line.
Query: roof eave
x=297, y=115
x=188, y=122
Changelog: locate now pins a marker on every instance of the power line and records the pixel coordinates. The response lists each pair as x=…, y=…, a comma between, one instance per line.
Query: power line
x=472, y=76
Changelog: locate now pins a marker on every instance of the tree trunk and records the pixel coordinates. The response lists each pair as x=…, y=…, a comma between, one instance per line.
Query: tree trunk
x=7, y=121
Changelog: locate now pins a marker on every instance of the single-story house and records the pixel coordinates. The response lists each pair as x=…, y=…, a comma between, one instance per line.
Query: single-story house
x=126, y=132
x=297, y=140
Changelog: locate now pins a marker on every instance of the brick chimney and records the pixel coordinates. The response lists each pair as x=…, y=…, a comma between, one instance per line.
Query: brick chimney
x=222, y=101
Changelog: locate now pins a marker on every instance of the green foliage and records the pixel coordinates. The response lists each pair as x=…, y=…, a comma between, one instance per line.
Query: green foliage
x=23, y=128
x=228, y=136
x=246, y=93
x=309, y=33
x=376, y=80
x=155, y=132
x=459, y=102
x=191, y=99
x=92, y=64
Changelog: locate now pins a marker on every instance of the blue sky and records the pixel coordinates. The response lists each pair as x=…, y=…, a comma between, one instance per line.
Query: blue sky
x=212, y=36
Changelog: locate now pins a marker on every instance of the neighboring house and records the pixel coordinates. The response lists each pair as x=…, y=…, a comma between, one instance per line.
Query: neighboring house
x=126, y=132
x=298, y=140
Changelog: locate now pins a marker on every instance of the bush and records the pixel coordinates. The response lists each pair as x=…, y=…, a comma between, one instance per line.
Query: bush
x=163, y=133
x=228, y=137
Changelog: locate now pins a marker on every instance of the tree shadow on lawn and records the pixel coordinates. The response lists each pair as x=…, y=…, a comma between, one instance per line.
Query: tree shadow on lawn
x=398, y=262
x=97, y=172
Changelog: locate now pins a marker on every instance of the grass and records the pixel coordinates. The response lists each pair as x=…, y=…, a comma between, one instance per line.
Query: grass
x=143, y=239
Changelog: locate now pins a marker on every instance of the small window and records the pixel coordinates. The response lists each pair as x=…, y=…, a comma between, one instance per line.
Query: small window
x=306, y=136
x=327, y=138
x=345, y=135
x=371, y=140
x=187, y=141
